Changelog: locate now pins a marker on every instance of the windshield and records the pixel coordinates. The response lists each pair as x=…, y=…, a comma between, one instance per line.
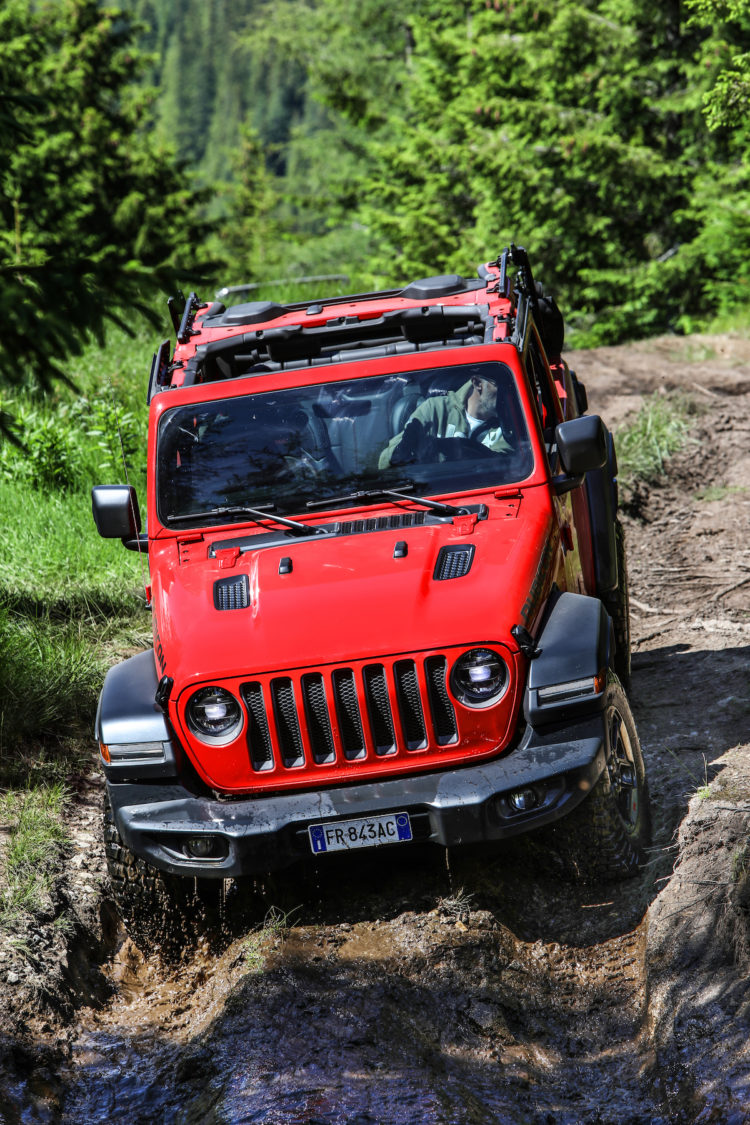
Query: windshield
x=433, y=432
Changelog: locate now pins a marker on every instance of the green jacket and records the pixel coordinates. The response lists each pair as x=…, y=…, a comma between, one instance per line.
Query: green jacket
x=444, y=416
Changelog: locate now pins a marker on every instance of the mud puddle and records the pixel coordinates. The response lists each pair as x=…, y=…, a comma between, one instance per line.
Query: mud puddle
x=125, y=1061
x=363, y=1011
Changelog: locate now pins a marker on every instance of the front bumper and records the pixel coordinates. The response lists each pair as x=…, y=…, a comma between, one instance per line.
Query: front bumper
x=450, y=807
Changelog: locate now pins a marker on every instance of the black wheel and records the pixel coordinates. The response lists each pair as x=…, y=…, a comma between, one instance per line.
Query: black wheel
x=605, y=837
x=158, y=909
x=617, y=605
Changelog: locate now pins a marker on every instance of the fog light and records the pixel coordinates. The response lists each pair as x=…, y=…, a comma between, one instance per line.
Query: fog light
x=524, y=799
x=207, y=847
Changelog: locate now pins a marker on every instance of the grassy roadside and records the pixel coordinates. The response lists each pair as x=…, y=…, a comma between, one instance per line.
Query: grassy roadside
x=659, y=429
x=70, y=603
x=36, y=841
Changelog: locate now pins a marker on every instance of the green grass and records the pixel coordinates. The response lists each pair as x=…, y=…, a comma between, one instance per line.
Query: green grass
x=54, y=561
x=70, y=602
x=256, y=946
x=659, y=430
x=733, y=322
x=696, y=353
x=49, y=673
x=32, y=856
x=740, y=863
x=719, y=492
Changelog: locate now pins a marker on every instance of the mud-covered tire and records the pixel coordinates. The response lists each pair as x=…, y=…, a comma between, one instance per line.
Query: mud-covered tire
x=617, y=605
x=605, y=837
x=157, y=909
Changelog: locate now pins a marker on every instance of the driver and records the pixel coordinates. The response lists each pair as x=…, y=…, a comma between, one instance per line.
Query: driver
x=469, y=413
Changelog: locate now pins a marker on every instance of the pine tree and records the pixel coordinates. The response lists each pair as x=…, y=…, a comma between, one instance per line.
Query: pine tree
x=93, y=217
x=573, y=128
x=728, y=102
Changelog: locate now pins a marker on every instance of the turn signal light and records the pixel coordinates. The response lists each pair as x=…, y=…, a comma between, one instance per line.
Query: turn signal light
x=572, y=689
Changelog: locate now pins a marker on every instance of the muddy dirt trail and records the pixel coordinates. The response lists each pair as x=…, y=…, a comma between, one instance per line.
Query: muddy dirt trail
x=465, y=989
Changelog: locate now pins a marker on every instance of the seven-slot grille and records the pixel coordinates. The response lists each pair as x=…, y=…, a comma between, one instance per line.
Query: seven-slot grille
x=377, y=710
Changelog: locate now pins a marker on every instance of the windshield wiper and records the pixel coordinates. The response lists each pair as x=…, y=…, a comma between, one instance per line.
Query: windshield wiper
x=392, y=494
x=255, y=514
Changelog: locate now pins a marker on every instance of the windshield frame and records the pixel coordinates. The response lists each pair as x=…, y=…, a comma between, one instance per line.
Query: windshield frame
x=277, y=383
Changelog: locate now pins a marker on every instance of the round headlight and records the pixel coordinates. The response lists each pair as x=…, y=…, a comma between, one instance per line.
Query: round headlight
x=214, y=715
x=479, y=677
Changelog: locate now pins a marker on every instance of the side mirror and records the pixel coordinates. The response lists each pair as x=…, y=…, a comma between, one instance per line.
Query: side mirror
x=116, y=511
x=582, y=445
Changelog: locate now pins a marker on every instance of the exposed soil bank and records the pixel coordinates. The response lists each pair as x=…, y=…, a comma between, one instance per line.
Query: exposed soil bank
x=482, y=989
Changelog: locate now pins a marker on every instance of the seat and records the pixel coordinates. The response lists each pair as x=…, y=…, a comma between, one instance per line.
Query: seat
x=316, y=441
x=403, y=406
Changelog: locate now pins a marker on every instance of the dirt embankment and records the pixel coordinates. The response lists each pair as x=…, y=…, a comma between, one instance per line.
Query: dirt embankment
x=482, y=989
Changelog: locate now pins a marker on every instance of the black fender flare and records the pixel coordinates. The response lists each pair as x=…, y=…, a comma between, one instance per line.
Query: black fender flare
x=131, y=725
x=602, y=497
x=574, y=647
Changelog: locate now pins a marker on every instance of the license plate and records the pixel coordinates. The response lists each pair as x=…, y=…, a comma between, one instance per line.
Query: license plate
x=369, y=832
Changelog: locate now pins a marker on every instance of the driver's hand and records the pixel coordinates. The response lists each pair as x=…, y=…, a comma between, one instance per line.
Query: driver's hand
x=412, y=446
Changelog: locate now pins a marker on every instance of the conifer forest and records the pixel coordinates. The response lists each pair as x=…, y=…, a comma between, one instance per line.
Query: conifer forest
x=382, y=139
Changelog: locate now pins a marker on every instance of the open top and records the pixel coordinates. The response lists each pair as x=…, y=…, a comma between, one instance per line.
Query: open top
x=430, y=314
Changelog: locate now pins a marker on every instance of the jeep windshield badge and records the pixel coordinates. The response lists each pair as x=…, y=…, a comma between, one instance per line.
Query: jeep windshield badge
x=438, y=667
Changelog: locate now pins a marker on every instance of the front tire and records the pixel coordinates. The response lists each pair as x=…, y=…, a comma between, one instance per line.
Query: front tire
x=157, y=909
x=605, y=837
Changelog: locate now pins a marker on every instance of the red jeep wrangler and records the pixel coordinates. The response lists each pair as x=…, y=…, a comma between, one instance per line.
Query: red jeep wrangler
x=388, y=585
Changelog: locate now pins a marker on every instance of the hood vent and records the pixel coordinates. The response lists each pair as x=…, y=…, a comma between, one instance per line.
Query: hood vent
x=453, y=562
x=381, y=523
x=232, y=593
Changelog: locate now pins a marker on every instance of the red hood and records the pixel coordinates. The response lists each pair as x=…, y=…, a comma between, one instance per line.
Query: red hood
x=346, y=597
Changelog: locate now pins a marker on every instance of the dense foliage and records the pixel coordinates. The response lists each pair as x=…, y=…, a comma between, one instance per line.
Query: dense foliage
x=401, y=137
x=728, y=102
x=574, y=127
x=214, y=80
x=382, y=138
